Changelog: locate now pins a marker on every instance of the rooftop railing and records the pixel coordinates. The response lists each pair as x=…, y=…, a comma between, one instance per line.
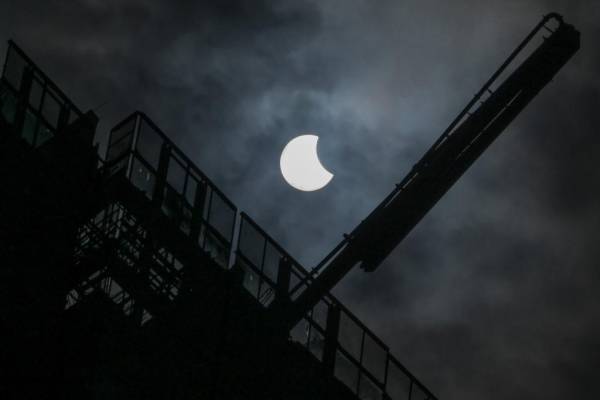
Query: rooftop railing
x=362, y=361
x=30, y=101
x=152, y=163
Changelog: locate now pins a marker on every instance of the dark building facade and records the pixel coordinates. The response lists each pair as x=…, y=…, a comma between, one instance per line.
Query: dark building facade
x=132, y=276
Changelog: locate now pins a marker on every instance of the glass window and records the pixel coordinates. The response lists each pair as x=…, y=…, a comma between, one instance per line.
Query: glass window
x=299, y=333
x=176, y=175
x=124, y=130
x=346, y=371
x=398, y=383
x=172, y=203
x=250, y=279
x=146, y=316
x=8, y=102
x=35, y=96
x=368, y=390
x=319, y=314
x=119, y=148
x=418, y=393
x=271, y=262
x=115, y=289
x=29, y=127
x=218, y=250
x=149, y=144
x=295, y=279
x=43, y=135
x=316, y=343
x=51, y=109
x=251, y=243
x=72, y=116
x=186, y=219
x=190, y=189
x=374, y=357
x=142, y=178
x=350, y=335
x=221, y=215
x=14, y=68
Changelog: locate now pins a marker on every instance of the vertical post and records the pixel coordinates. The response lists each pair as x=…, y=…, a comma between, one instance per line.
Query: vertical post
x=282, y=289
x=197, y=211
x=280, y=304
x=161, y=174
x=331, y=334
x=23, y=99
x=63, y=118
x=387, y=368
x=360, y=361
x=144, y=263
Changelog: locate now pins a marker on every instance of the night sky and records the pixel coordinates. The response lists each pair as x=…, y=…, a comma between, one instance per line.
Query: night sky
x=496, y=294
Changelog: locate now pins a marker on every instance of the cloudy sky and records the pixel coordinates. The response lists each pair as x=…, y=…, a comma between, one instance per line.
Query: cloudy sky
x=496, y=293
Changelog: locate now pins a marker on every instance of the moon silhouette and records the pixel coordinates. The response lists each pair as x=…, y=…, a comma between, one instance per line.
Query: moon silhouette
x=300, y=164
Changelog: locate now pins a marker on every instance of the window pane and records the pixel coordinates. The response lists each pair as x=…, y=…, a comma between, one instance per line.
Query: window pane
x=218, y=250
x=350, y=335
x=368, y=389
x=35, y=96
x=149, y=144
x=142, y=178
x=316, y=343
x=176, y=175
x=29, y=127
x=43, y=135
x=171, y=203
x=398, y=383
x=319, y=314
x=72, y=116
x=190, y=190
x=186, y=218
x=418, y=393
x=251, y=243
x=300, y=332
x=14, y=68
x=250, y=278
x=346, y=371
x=126, y=129
x=295, y=280
x=221, y=216
x=119, y=148
x=51, y=109
x=374, y=356
x=9, y=105
x=271, y=263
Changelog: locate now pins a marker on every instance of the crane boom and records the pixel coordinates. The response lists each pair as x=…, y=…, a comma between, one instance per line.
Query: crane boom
x=451, y=155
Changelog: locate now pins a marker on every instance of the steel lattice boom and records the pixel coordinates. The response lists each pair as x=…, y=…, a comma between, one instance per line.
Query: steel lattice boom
x=451, y=155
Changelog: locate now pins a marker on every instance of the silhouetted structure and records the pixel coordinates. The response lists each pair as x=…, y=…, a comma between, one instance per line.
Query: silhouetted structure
x=134, y=277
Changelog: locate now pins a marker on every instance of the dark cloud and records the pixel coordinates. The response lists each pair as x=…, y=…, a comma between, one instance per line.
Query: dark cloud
x=495, y=294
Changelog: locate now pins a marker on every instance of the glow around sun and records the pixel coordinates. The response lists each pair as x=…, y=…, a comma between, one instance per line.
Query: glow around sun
x=300, y=165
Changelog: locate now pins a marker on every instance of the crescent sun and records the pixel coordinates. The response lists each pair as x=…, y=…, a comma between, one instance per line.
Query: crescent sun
x=300, y=164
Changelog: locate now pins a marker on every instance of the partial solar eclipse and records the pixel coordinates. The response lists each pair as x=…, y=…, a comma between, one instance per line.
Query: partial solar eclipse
x=300, y=165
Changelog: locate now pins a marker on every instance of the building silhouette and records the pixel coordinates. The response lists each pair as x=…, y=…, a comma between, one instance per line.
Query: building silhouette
x=132, y=276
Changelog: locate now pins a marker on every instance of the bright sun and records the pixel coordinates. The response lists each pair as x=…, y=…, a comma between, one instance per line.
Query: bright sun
x=300, y=165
